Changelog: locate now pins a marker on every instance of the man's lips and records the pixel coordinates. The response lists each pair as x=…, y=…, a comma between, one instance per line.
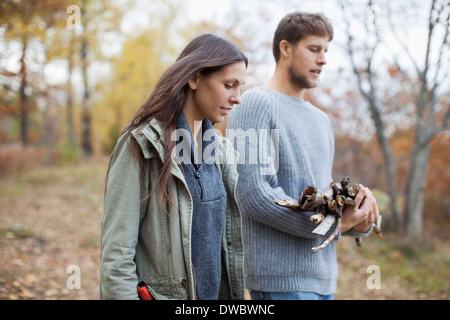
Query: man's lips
x=316, y=72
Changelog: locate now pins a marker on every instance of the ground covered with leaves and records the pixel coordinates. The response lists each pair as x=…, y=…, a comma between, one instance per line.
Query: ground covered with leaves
x=50, y=227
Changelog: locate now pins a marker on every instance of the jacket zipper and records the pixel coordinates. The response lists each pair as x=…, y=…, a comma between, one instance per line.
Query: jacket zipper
x=184, y=282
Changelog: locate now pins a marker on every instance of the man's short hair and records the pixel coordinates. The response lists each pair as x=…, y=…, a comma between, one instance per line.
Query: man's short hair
x=298, y=25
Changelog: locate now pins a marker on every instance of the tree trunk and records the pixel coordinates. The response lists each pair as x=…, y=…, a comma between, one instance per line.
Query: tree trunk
x=415, y=191
x=86, y=113
x=70, y=127
x=417, y=173
x=389, y=161
x=23, y=99
x=50, y=134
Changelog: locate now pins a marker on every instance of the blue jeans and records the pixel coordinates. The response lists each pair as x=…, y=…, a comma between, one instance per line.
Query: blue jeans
x=296, y=295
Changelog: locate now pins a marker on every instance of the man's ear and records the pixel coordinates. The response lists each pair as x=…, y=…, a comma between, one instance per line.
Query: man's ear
x=193, y=82
x=285, y=48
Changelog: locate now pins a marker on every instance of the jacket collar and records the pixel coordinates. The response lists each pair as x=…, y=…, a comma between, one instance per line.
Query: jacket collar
x=149, y=135
x=150, y=138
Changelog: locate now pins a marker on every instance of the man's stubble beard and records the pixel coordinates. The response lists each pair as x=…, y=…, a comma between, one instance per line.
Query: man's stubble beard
x=300, y=81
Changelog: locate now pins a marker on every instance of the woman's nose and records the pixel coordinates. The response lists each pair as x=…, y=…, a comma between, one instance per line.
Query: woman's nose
x=236, y=97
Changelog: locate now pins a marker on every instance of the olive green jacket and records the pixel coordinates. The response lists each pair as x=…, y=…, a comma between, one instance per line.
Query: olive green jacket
x=141, y=242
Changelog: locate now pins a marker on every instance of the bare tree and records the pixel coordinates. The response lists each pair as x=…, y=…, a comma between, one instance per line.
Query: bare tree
x=424, y=83
x=364, y=73
x=430, y=77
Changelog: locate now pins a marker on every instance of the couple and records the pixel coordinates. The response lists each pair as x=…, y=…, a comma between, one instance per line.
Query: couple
x=181, y=227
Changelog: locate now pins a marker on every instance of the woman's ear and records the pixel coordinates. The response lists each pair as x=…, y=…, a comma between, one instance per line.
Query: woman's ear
x=193, y=82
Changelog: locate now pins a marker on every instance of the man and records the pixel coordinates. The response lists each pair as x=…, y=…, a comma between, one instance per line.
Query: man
x=278, y=257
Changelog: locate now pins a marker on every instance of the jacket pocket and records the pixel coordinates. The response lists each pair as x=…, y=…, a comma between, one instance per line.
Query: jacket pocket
x=167, y=289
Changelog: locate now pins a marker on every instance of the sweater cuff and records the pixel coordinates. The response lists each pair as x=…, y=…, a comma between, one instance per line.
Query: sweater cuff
x=353, y=233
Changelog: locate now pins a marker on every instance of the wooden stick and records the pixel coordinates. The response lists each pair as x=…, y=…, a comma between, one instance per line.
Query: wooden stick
x=330, y=238
x=325, y=225
x=288, y=204
x=317, y=218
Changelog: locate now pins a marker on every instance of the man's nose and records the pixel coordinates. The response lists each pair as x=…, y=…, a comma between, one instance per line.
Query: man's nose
x=322, y=60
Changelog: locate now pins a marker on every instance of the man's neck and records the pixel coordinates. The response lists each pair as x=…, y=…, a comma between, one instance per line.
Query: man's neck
x=281, y=83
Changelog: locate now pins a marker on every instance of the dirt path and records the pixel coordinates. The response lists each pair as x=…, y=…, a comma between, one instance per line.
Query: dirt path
x=50, y=220
x=49, y=244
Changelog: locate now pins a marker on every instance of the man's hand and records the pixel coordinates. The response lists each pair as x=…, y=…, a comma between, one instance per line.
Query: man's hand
x=363, y=215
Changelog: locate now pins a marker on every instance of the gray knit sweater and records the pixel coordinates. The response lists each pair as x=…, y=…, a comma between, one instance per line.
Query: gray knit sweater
x=277, y=240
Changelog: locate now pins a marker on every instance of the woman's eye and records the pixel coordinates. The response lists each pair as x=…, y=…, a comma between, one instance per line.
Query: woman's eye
x=228, y=86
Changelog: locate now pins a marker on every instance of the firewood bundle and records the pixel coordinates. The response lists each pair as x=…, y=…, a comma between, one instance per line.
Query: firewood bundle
x=328, y=207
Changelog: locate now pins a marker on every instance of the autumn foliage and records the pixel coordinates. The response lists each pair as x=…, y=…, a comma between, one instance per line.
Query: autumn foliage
x=44, y=121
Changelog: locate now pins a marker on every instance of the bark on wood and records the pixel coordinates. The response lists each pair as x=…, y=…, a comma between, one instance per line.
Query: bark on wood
x=328, y=207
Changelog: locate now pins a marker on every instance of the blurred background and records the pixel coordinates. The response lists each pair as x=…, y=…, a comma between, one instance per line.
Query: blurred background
x=73, y=73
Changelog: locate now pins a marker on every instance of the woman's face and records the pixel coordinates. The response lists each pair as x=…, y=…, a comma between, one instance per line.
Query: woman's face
x=214, y=95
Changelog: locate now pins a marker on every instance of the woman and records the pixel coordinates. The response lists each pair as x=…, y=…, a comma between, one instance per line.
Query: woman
x=170, y=218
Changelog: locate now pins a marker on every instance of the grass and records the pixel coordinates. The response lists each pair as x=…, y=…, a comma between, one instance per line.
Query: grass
x=407, y=270
x=50, y=219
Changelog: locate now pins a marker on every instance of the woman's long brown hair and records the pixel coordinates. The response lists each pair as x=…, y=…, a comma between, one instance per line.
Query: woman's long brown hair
x=205, y=54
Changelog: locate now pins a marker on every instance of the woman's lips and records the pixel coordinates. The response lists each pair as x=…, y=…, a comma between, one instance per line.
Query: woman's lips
x=225, y=111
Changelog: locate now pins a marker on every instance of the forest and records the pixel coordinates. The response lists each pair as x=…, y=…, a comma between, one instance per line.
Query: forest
x=73, y=73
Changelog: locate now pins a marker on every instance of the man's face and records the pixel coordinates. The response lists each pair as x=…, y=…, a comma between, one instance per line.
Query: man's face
x=307, y=61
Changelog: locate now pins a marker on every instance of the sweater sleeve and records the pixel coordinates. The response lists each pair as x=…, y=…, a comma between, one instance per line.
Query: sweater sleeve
x=253, y=128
